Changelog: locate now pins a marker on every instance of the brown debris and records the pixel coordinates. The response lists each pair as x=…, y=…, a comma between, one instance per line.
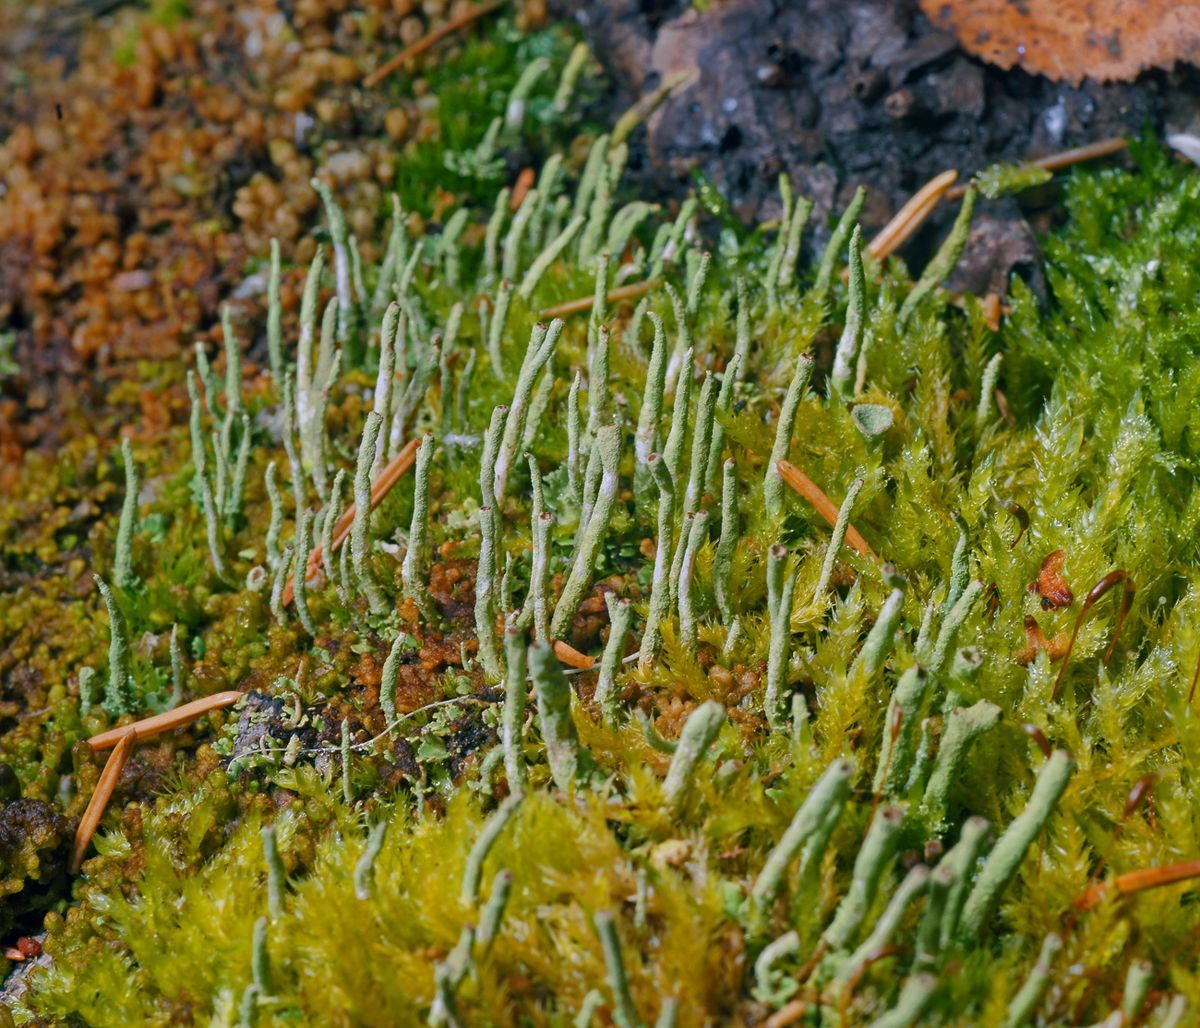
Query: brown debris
x=1070, y=40
x=1036, y=642
x=1051, y=586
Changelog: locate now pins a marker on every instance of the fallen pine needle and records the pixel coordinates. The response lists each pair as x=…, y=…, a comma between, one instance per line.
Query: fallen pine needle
x=99, y=801
x=149, y=727
x=388, y=477
x=429, y=39
x=787, y=1015
x=821, y=503
x=572, y=657
x=584, y=303
x=909, y=218
x=1138, y=881
x=522, y=186
x=1065, y=158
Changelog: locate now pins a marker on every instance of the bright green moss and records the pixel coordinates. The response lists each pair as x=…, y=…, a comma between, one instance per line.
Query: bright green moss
x=1099, y=449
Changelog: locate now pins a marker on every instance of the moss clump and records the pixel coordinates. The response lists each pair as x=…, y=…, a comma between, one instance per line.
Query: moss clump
x=820, y=787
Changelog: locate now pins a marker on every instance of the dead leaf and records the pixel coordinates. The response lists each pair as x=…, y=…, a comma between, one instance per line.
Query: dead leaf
x=1070, y=40
x=1051, y=585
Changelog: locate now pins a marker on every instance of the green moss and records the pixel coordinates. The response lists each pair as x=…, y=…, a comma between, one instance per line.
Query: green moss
x=1099, y=449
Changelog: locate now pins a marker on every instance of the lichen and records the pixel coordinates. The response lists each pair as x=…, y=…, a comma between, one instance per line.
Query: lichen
x=729, y=821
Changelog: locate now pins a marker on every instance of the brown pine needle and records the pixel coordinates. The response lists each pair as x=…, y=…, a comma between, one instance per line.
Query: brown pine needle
x=909, y=218
x=388, y=477
x=429, y=39
x=821, y=503
x=584, y=303
x=522, y=186
x=788, y=1014
x=149, y=727
x=1138, y=881
x=1065, y=158
x=99, y=801
x=572, y=657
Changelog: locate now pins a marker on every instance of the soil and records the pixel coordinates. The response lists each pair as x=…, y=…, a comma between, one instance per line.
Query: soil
x=841, y=93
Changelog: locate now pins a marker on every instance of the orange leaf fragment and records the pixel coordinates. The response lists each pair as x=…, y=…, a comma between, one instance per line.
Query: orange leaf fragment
x=1070, y=40
x=1051, y=585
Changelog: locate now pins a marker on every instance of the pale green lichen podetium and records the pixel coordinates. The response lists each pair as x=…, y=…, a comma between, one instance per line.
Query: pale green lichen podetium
x=415, y=569
x=943, y=261
x=485, y=599
x=366, y=863
x=624, y=1013
x=567, y=759
x=1003, y=862
x=542, y=342
x=699, y=733
x=388, y=678
x=833, y=249
x=1022, y=1006
x=772, y=484
x=512, y=718
x=620, y=616
x=329, y=520
x=123, y=576
x=960, y=861
x=961, y=726
x=608, y=443
x=915, y=996
x=951, y=624
x=694, y=532
x=878, y=644
x=339, y=236
x=120, y=697
x=780, y=586
x=176, y=650
x=275, y=525
x=303, y=547
x=347, y=764
x=911, y=887
x=495, y=329
x=660, y=586
x=826, y=798
x=385, y=376
x=493, y=911
x=680, y=408
x=275, y=317
x=492, y=827
x=701, y=436
x=873, y=859
x=548, y=257
x=895, y=752
x=276, y=875
x=716, y=442
x=837, y=539
x=646, y=435
x=727, y=543
x=856, y=317
x=359, y=552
